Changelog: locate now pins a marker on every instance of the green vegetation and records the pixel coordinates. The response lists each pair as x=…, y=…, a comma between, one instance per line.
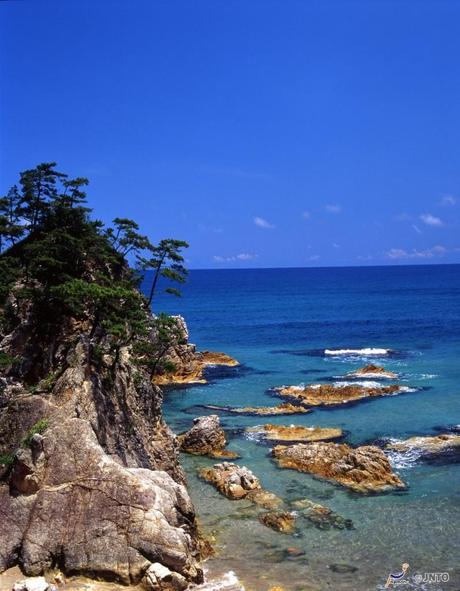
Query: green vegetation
x=6, y=459
x=67, y=265
x=40, y=427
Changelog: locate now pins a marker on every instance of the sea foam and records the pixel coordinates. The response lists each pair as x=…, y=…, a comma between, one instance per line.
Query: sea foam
x=358, y=352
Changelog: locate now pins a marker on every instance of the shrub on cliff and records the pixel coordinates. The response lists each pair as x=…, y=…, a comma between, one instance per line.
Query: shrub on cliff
x=67, y=266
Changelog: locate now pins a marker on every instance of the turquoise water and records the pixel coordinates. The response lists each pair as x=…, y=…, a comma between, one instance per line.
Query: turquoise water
x=277, y=323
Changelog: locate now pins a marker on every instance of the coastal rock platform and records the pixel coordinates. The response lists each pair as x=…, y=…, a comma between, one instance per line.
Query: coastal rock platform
x=362, y=469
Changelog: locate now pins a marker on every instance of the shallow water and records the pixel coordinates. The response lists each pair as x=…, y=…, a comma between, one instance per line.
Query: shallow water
x=278, y=323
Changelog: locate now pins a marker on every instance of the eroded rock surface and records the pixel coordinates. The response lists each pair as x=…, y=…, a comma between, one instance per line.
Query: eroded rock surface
x=190, y=364
x=73, y=504
x=335, y=394
x=363, y=469
x=373, y=371
x=429, y=444
x=204, y=437
x=231, y=480
x=286, y=408
x=295, y=433
x=281, y=521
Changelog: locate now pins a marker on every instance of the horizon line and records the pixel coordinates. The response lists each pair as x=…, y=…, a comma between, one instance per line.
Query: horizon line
x=324, y=267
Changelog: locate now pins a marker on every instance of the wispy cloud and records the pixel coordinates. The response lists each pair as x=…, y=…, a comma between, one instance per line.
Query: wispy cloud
x=306, y=215
x=335, y=245
x=448, y=200
x=431, y=220
x=333, y=208
x=416, y=229
x=244, y=256
x=429, y=253
x=313, y=257
x=263, y=223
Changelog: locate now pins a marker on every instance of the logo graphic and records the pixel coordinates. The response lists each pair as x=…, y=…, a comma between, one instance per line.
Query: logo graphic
x=397, y=577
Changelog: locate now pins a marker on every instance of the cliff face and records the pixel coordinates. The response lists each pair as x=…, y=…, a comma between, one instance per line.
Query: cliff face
x=90, y=481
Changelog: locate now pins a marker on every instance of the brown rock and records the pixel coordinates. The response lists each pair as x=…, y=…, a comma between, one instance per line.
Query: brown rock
x=373, y=371
x=191, y=371
x=231, y=480
x=330, y=394
x=264, y=498
x=204, y=437
x=295, y=432
x=224, y=454
x=363, y=469
x=281, y=521
x=430, y=444
x=322, y=517
x=286, y=408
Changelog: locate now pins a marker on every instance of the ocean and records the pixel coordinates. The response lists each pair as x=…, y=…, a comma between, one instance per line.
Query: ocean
x=278, y=324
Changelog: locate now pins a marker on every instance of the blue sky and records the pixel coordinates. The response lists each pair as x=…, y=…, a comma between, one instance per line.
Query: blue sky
x=266, y=133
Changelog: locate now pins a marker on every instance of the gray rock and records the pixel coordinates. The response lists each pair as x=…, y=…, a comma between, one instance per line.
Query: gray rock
x=32, y=584
x=204, y=437
x=76, y=505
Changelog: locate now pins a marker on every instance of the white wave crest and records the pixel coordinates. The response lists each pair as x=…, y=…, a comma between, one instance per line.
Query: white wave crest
x=359, y=352
x=228, y=582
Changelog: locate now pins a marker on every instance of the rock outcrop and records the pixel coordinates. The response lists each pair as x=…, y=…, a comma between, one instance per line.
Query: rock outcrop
x=206, y=436
x=69, y=503
x=91, y=480
x=295, y=433
x=362, y=469
x=286, y=408
x=231, y=480
x=373, y=371
x=336, y=394
x=190, y=364
x=429, y=444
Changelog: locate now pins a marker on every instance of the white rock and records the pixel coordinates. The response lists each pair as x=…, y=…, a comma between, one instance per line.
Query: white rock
x=32, y=584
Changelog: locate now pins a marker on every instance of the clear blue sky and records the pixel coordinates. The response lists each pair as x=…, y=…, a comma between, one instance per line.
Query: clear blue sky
x=266, y=133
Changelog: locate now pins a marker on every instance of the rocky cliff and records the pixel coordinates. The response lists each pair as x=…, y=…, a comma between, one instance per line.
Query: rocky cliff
x=90, y=479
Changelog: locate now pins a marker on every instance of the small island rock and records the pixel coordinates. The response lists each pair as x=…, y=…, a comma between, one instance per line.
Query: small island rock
x=363, y=469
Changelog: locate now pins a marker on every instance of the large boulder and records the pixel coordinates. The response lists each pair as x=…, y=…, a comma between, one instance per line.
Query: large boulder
x=69, y=503
x=231, y=480
x=206, y=436
x=363, y=469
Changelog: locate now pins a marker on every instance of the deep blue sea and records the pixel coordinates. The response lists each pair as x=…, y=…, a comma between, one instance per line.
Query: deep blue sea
x=278, y=323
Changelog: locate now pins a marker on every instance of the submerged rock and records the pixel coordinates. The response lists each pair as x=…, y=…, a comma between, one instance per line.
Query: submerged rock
x=429, y=444
x=322, y=517
x=295, y=432
x=204, y=437
x=265, y=499
x=363, y=469
x=335, y=394
x=373, y=371
x=281, y=521
x=231, y=480
x=286, y=408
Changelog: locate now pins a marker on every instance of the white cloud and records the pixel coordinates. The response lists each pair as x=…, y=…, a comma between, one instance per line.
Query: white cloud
x=333, y=208
x=448, y=200
x=416, y=229
x=335, y=245
x=430, y=220
x=244, y=256
x=313, y=257
x=429, y=253
x=306, y=215
x=262, y=223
